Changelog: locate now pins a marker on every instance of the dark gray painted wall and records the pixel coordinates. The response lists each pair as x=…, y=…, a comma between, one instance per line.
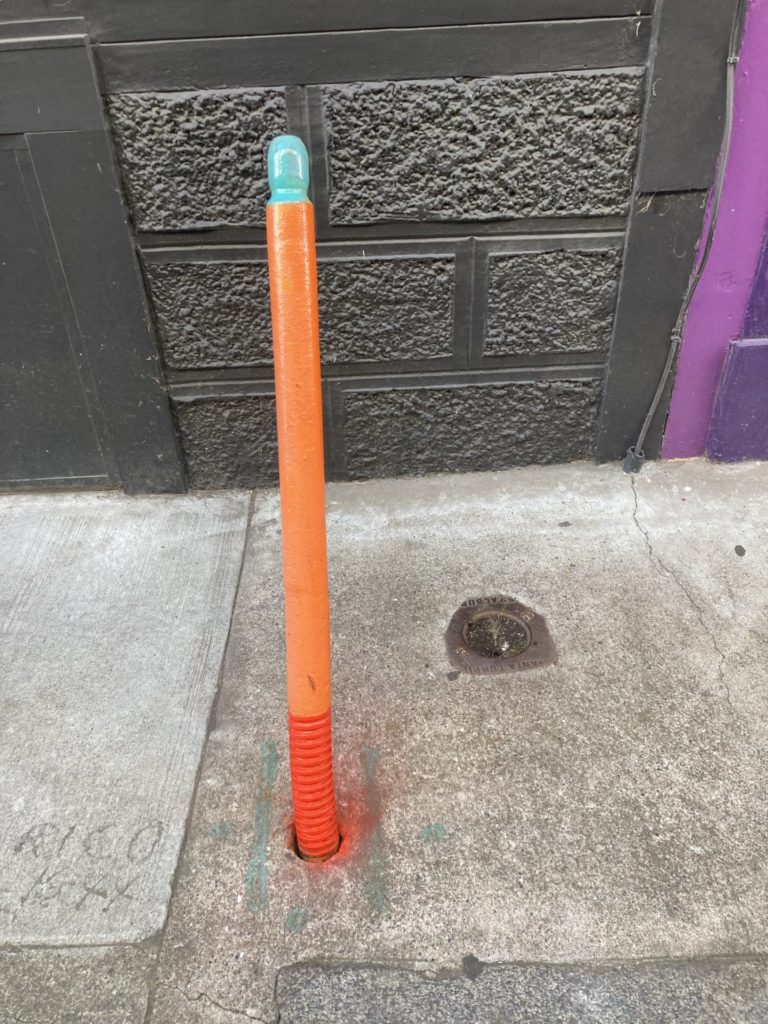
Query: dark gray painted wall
x=82, y=400
x=470, y=238
x=474, y=185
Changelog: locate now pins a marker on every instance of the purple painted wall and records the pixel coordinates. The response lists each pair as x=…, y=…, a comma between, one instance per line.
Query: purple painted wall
x=740, y=421
x=718, y=309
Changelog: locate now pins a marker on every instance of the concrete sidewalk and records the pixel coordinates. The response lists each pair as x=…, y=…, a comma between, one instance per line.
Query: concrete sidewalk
x=114, y=614
x=584, y=842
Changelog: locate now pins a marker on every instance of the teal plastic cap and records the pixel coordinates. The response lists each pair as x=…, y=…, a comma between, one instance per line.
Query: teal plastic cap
x=288, y=170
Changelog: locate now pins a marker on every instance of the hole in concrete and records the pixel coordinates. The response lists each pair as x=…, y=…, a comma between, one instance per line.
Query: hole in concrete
x=294, y=848
x=498, y=634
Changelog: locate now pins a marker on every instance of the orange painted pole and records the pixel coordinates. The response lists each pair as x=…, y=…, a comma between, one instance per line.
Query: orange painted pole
x=296, y=342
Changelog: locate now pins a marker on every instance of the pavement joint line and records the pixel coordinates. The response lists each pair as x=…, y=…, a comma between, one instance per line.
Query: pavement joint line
x=160, y=936
x=44, y=947
x=425, y=966
x=663, y=569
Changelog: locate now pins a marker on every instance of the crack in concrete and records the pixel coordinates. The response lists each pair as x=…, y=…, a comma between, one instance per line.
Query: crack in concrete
x=219, y=1006
x=663, y=569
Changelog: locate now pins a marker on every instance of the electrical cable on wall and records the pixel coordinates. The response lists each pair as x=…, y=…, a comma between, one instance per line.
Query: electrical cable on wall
x=635, y=456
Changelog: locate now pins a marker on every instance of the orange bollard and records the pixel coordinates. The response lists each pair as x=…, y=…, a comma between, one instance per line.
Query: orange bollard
x=296, y=341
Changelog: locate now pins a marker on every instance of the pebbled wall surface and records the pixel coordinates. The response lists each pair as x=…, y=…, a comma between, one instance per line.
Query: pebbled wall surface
x=212, y=314
x=386, y=309
x=402, y=431
x=217, y=314
x=432, y=430
x=196, y=159
x=470, y=243
x=530, y=146
x=229, y=442
x=551, y=301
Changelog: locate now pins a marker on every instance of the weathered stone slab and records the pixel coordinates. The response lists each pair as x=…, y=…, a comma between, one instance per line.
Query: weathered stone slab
x=114, y=613
x=104, y=984
x=692, y=993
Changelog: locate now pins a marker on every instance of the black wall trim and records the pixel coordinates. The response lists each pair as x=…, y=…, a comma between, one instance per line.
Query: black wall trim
x=385, y=248
x=211, y=390
x=46, y=86
x=658, y=260
x=585, y=227
x=79, y=184
x=126, y=20
x=415, y=367
x=685, y=103
x=75, y=339
x=679, y=147
x=386, y=54
x=89, y=320
x=54, y=483
x=50, y=32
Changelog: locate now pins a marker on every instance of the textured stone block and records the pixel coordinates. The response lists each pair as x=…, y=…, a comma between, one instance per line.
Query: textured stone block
x=229, y=442
x=196, y=159
x=710, y=992
x=386, y=309
x=461, y=429
x=529, y=146
x=212, y=314
x=551, y=302
x=217, y=314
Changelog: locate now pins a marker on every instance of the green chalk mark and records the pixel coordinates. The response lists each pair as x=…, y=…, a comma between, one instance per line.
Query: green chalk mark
x=296, y=920
x=434, y=833
x=375, y=873
x=375, y=878
x=256, y=873
x=220, y=830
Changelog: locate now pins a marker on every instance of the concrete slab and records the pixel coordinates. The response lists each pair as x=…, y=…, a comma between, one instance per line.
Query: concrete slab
x=108, y=985
x=612, y=807
x=655, y=993
x=114, y=613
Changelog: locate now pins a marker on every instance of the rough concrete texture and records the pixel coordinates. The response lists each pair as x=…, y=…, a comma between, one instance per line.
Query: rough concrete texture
x=612, y=807
x=479, y=149
x=385, y=309
x=196, y=159
x=459, y=429
x=212, y=314
x=655, y=993
x=114, y=613
x=97, y=985
x=232, y=442
x=217, y=314
x=551, y=301
x=229, y=442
